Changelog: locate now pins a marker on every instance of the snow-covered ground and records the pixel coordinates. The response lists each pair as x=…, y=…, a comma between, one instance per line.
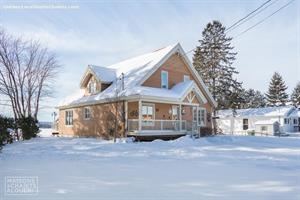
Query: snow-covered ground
x=223, y=167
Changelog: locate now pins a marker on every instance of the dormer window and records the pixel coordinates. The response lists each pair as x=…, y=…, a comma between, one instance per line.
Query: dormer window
x=164, y=79
x=92, y=87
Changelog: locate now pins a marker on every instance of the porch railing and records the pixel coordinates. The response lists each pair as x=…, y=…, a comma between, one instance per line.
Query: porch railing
x=161, y=125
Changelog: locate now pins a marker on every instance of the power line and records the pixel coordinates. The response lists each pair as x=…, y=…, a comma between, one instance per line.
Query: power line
x=236, y=23
x=251, y=17
x=240, y=20
x=264, y=19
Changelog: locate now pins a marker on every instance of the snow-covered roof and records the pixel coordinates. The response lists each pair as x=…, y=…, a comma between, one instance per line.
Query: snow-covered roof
x=104, y=74
x=253, y=112
x=266, y=122
x=295, y=113
x=176, y=93
x=135, y=70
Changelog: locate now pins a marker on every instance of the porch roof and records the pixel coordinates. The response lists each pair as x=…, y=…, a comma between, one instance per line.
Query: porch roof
x=177, y=93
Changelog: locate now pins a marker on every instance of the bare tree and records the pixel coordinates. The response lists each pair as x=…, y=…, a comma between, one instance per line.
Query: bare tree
x=26, y=72
x=118, y=113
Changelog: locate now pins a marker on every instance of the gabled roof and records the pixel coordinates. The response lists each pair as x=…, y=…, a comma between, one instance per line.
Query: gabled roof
x=266, y=122
x=257, y=112
x=135, y=71
x=295, y=113
x=103, y=74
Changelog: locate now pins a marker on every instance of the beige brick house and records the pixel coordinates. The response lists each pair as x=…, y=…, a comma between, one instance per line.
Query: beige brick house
x=158, y=94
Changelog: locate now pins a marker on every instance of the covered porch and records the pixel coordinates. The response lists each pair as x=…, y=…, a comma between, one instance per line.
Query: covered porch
x=146, y=118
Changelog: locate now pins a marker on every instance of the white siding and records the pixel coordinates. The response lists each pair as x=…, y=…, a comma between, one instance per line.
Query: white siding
x=232, y=125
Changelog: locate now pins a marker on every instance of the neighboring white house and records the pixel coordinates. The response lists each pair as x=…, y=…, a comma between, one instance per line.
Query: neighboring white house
x=256, y=119
x=293, y=121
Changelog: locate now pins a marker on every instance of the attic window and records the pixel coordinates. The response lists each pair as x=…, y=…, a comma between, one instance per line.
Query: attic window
x=92, y=87
x=164, y=79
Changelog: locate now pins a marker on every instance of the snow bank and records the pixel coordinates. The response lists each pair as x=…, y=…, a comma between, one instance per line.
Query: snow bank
x=222, y=167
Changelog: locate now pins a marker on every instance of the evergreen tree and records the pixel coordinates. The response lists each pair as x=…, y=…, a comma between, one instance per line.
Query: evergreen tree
x=213, y=60
x=295, y=97
x=254, y=99
x=276, y=94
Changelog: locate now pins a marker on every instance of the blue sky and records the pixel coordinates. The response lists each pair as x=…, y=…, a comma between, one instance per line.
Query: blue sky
x=105, y=32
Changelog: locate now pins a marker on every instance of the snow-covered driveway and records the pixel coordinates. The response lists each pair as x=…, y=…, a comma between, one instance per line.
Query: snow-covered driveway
x=223, y=167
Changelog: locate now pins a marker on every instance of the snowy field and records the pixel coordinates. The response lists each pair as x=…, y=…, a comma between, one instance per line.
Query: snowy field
x=223, y=167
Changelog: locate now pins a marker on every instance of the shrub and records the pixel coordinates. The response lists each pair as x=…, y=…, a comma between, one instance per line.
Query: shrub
x=29, y=127
x=206, y=131
x=251, y=132
x=5, y=125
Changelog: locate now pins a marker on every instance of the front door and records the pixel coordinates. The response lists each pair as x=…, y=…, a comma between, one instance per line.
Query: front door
x=175, y=112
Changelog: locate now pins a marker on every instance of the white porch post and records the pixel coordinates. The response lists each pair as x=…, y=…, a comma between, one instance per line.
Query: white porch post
x=140, y=115
x=180, y=117
x=126, y=116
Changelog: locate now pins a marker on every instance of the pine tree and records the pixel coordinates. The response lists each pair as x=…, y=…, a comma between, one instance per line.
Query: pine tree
x=254, y=99
x=213, y=60
x=235, y=100
x=295, y=97
x=276, y=94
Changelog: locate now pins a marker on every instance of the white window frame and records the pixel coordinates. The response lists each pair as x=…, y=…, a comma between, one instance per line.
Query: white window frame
x=92, y=86
x=295, y=121
x=286, y=121
x=175, y=108
x=244, y=124
x=69, y=117
x=146, y=122
x=186, y=78
x=194, y=114
x=162, y=81
x=87, y=115
x=200, y=122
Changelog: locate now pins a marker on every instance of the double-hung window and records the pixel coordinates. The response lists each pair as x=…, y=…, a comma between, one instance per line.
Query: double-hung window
x=148, y=114
x=194, y=114
x=69, y=117
x=164, y=79
x=92, y=87
x=245, y=124
x=87, y=113
x=175, y=112
x=199, y=116
x=286, y=121
x=295, y=121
